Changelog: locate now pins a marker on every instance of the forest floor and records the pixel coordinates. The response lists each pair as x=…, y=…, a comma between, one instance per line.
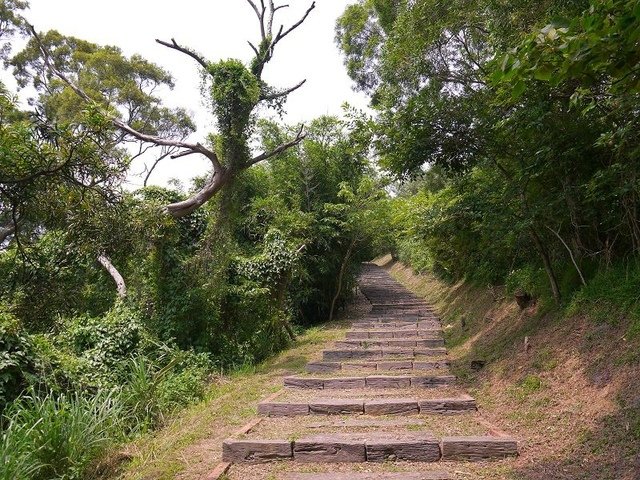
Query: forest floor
x=571, y=396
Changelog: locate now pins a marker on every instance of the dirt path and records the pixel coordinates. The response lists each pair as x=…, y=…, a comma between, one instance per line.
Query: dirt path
x=377, y=404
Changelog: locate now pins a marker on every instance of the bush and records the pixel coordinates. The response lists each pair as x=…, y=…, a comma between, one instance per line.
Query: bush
x=18, y=362
x=102, y=345
x=527, y=279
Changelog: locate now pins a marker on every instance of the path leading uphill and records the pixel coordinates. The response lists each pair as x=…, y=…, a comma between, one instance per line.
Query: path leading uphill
x=380, y=404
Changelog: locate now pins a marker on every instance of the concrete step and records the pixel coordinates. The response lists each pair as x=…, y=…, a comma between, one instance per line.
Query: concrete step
x=378, y=365
x=387, y=406
x=370, y=447
x=372, y=381
x=339, y=354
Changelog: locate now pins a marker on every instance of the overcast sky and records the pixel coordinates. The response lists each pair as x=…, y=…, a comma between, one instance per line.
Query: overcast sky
x=217, y=29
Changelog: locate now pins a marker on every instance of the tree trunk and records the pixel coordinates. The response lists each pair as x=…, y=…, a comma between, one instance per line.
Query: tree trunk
x=115, y=274
x=343, y=267
x=280, y=299
x=555, y=289
x=6, y=231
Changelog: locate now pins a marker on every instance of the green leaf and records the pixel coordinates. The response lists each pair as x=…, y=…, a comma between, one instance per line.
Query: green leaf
x=543, y=73
x=518, y=90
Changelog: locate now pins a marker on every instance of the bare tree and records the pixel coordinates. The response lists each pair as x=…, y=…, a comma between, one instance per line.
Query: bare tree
x=223, y=170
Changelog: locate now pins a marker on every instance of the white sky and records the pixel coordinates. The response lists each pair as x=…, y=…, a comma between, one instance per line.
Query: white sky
x=217, y=29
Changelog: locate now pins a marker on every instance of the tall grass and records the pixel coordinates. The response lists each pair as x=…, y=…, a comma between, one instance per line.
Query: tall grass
x=57, y=436
x=612, y=296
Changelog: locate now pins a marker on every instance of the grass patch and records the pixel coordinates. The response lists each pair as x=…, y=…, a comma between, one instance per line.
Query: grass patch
x=230, y=403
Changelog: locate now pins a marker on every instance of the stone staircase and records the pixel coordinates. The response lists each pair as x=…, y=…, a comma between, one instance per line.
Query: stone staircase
x=383, y=396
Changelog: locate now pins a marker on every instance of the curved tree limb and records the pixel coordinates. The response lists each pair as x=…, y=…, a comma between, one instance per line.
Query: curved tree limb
x=573, y=259
x=282, y=93
x=121, y=286
x=191, y=204
x=174, y=46
x=285, y=146
x=220, y=174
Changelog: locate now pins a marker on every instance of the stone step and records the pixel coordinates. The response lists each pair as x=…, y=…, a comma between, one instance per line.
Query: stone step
x=382, y=353
x=388, y=406
x=380, y=365
x=393, y=333
x=372, y=381
x=369, y=447
x=397, y=324
x=393, y=342
x=435, y=475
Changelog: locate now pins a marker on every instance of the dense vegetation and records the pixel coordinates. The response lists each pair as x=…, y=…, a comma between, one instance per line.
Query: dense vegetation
x=515, y=128
x=506, y=131
x=117, y=305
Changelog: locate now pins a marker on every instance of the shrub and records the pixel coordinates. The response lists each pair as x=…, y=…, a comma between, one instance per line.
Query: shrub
x=17, y=360
x=104, y=344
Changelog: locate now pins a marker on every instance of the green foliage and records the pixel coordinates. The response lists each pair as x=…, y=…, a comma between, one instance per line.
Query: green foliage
x=611, y=297
x=18, y=362
x=528, y=279
x=102, y=343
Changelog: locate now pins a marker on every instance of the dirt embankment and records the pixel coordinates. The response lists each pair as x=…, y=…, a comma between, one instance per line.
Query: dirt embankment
x=568, y=387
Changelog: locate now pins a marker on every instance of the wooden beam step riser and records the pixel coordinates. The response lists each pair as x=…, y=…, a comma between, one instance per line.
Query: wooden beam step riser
x=348, y=383
x=405, y=354
x=407, y=365
x=395, y=342
x=368, y=476
x=391, y=334
x=369, y=448
x=444, y=406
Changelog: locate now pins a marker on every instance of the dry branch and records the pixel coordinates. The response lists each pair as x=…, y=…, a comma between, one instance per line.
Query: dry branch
x=174, y=46
x=105, y=261
x=285, y=146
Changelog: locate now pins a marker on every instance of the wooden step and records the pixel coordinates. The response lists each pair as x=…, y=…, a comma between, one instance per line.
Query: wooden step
x=387, y=406
x=372, y=381
x=377, y=365
x=394, y=342
x=388, y=353
x=370, y=447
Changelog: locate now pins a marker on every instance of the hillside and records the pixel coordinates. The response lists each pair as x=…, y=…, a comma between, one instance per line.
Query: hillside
x=572, y=395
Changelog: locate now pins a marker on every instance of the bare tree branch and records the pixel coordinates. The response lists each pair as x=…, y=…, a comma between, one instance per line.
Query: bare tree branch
x=156, y=162
x=260, y=15
x=253, y=47
x=282, y=34
x=285, y=146
x=174, y=46
x=105, y=261
x=213, y=186
x=6, y=231
x=220, y=174
x=282, y=93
